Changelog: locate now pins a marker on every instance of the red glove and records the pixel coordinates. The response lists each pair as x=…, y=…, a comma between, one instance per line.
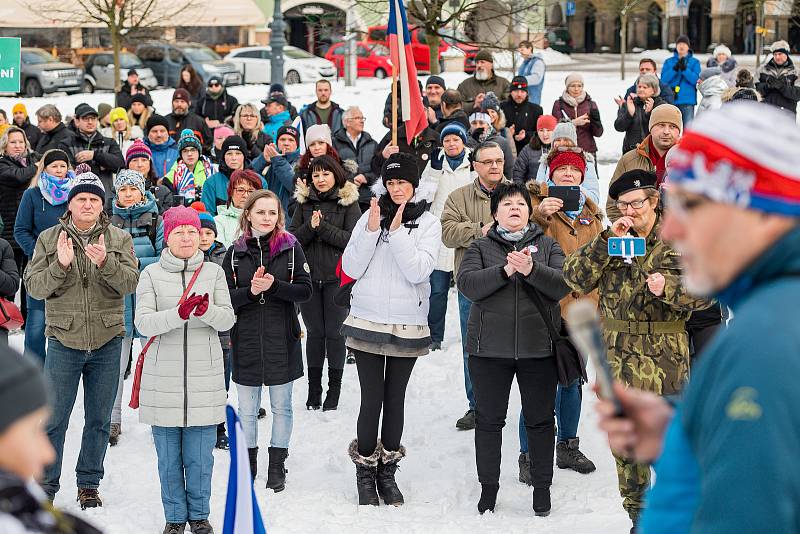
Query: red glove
x=185, y=309
x=202, y=306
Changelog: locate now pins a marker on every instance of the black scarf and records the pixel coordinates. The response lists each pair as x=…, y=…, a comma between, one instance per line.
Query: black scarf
x=412, y=211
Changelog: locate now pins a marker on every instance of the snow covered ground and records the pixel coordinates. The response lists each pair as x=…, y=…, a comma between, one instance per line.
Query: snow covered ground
x=438, y=476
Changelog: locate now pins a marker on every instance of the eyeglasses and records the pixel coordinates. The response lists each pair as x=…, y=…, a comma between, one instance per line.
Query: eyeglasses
x=359, y=119
x=247, y=116
x=492, y=162
x=243, y=190
x=575, y=149
x=635, y=204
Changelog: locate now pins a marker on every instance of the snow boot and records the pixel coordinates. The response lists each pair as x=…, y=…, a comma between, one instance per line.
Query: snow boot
x=116, y=430
x=467, y=422
x=262, y=413
x=568, y=456
x=314, y=401
x=89, y=498
x=200, y=526
x=253, y=456
x=366, y=474
x=351, y=358
x=334, y=389
x=387, y=467
x=488, y=497
x=222, y=438
x=174, y=528
x=541, y=501
x=276, y=470
x=436, y=345
x=525, y=469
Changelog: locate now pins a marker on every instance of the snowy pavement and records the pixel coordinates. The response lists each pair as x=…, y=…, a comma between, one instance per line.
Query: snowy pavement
x=438, y=476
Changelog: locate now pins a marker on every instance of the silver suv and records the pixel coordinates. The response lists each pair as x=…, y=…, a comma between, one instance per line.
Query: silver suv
x=43, y=73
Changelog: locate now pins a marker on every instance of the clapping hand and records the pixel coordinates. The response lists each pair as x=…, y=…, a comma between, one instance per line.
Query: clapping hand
x=270, y=151
x=261, y=281
x=97, y=252
x=630, y=105
x=582, y=120
x=520, y=261
x=648, y=105
x=398, y=218
x=374, y=220
x=316, y=218
x=66, y=252
x=202, y=306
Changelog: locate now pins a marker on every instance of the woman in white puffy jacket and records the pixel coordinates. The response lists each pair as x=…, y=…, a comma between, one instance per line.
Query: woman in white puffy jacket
x=448, y=169
x=183, y=384
x=392, y=252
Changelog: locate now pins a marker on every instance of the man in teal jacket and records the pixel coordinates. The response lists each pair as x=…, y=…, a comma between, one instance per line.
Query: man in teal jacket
x=729, y=452
x=680, y=73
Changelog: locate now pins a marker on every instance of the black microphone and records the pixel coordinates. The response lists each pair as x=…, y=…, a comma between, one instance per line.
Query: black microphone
x=586, y=333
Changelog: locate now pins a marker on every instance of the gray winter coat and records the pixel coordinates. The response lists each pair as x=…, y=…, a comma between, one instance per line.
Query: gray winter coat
x=526, y=166
x=183, y=382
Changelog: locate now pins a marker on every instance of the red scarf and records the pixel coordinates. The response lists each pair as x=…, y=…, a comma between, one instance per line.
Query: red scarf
x=659, y=162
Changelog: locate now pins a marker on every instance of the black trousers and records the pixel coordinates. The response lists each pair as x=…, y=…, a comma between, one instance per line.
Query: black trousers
x=383, y=381
x=491, y=381
x=22, y=261
x=323, y=318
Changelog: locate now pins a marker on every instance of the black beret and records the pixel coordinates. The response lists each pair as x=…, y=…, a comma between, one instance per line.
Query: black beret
x=630, y=181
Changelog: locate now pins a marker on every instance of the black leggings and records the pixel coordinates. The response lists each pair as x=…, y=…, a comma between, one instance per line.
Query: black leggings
x=323, y=319
x=383, y=381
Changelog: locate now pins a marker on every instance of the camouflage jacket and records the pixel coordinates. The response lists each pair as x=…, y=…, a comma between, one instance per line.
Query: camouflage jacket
x=657, y=362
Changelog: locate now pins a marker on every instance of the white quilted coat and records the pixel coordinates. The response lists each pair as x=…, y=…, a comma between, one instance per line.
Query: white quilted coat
x=183, y=381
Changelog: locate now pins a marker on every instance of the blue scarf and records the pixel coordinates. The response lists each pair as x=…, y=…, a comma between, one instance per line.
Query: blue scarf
x=456, y=161
x=572, y=214
x=55, y=190
x=512, y=237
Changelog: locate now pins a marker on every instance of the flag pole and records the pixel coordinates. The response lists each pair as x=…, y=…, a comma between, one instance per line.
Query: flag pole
x=394, y=105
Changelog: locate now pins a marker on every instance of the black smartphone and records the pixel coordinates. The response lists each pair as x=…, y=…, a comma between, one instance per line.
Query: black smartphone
x=570, y=195
x=177, y=200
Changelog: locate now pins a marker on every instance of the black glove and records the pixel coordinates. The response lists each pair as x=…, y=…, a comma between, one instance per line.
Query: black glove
x=774, y=82
x=477, y=133
x=682, y=64
x=437, y=159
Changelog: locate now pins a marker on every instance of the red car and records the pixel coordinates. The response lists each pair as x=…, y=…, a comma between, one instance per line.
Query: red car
x=373, y=59
x=420, y=48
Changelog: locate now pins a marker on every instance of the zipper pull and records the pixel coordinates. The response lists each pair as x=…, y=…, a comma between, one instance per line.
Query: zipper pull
x=85, y=280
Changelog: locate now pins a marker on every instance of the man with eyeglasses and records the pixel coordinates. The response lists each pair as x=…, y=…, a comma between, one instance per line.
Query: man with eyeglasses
x=87, y=145
x=644, y=307
x=217, y=105
x=466, y=217
x=727, y=453
x=356, y=148
x=182, y=118
x=650, y=155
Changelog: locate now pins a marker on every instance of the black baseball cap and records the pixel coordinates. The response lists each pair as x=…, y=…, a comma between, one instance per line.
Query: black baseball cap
x=83, y=109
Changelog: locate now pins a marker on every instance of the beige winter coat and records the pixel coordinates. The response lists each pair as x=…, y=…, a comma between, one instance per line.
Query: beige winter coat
x=183, y=381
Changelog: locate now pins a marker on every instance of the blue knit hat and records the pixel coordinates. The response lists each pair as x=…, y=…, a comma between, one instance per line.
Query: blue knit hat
x=189, y=140
x=454, y=128
x=207, y=221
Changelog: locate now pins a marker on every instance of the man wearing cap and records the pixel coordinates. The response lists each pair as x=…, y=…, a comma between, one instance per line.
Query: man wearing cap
x=87, y=145
x=83, y=267
x=323, y=110
x=131, y=88
x=20, y=120
x=779, y=80
x=217, y=105
x=163, y=147
x=644, y=307
x=681, y=72
x=484, y=80
x=233, y=157
x=650, y=155
x=54, y=131
x=356, y=148
x=276, y=165
x=276, y=89
x=533, y=70
x=727, y=454
x=277, y=115
x=182, y=117
x=521, y=114
x=434, y=89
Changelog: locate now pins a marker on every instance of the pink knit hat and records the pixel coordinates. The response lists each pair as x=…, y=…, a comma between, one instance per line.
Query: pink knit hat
x=222, y=132
x=180, y=216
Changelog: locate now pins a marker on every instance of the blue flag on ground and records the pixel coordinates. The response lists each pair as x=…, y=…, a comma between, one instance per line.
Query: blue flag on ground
x=242, y=515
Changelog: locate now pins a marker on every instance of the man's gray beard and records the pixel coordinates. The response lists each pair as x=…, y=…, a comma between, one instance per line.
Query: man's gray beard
x=481, y=75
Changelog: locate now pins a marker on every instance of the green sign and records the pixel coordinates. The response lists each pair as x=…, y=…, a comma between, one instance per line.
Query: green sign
x=10, y=64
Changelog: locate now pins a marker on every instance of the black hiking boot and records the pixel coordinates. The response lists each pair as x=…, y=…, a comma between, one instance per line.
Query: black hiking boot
x=467, y=422
x=525, y=469
x=89, y=498
x=568, y=456
x=276, y=470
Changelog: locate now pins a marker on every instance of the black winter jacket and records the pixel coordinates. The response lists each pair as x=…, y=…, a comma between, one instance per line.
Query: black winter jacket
x=362, y=156
x=522, y=117
x=14, y=180
x=779, y=85
x=53, y=138
x=504, y=321
x=324, y=244
x=124, y=96
x=266, y=336
x=33, y=133
x=421, y=147
x=194, y=122
x=221, y=108
x=107, y=160
x=527, y=163
x=636, y=127
x=255, y=147
x=9, y=275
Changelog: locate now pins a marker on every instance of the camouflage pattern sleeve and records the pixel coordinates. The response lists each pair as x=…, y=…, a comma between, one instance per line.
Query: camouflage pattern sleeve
x=584, y=268
x=675, y=294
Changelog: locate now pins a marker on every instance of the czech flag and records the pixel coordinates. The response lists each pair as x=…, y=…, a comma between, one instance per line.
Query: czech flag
x=412, y=111
x=242, y=515
x=298, y=123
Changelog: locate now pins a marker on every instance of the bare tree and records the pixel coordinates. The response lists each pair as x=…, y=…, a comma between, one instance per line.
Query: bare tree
x=624, y=8
x=120, y=17
x=438, y=17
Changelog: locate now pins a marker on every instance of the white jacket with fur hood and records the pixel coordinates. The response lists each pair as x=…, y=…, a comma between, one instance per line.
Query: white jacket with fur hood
x=183, y=382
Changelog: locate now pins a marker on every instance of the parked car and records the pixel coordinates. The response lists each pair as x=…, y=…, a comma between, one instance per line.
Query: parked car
x=41, y=72
x=99, y=71
x=470, y=51
x=560, y=40
x=166, y=60
x=419, y=45
x=373, y=59
x=298, y=65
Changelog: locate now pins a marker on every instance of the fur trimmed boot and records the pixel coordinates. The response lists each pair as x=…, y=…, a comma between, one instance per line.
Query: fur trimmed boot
x=366, y=473
x=387, y=467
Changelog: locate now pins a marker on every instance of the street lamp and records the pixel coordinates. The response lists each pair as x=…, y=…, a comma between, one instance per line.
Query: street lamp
x=276, y=42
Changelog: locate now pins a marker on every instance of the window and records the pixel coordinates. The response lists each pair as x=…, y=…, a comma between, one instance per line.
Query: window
x=296, y=53
x=338, y=51
x=377, y=34
x=151, y=53
x=380, y=50
x=128, y=61
x=266, y=54
x=37, y=57
x=102, y=60
x=175, y=56
x=362, y=51
x=201, y=54
x=249, y=54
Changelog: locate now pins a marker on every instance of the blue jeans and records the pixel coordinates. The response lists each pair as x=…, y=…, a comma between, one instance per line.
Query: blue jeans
x=568, y=414
x=280, y=402
x=687, y=113
x=464, y=306
x=440, y=286
x=63, y=370
x=185, y=463
x=34, y=330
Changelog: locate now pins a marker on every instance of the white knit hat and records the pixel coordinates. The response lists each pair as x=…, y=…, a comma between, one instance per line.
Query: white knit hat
x=722, y=49
x=318, y=132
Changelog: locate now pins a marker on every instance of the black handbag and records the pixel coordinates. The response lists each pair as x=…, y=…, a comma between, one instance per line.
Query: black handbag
x=571, y=365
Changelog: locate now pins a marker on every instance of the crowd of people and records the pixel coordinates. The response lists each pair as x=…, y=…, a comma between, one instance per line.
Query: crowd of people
x=206, y=234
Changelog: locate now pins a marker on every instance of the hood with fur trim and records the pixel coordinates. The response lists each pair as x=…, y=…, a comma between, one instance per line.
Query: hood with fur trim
x=425, y=191
x=348, y=193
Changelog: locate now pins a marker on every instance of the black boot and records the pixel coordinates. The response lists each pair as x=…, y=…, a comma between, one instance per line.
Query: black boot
x=366, y=474
x=334, y=389
x=222, y=438
x=387, y=467
x=569, y=456
x=488, y=497
x=253, y=455
x=541, y=501
x=525, y=469
x=314, y=401
x=276, y=471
